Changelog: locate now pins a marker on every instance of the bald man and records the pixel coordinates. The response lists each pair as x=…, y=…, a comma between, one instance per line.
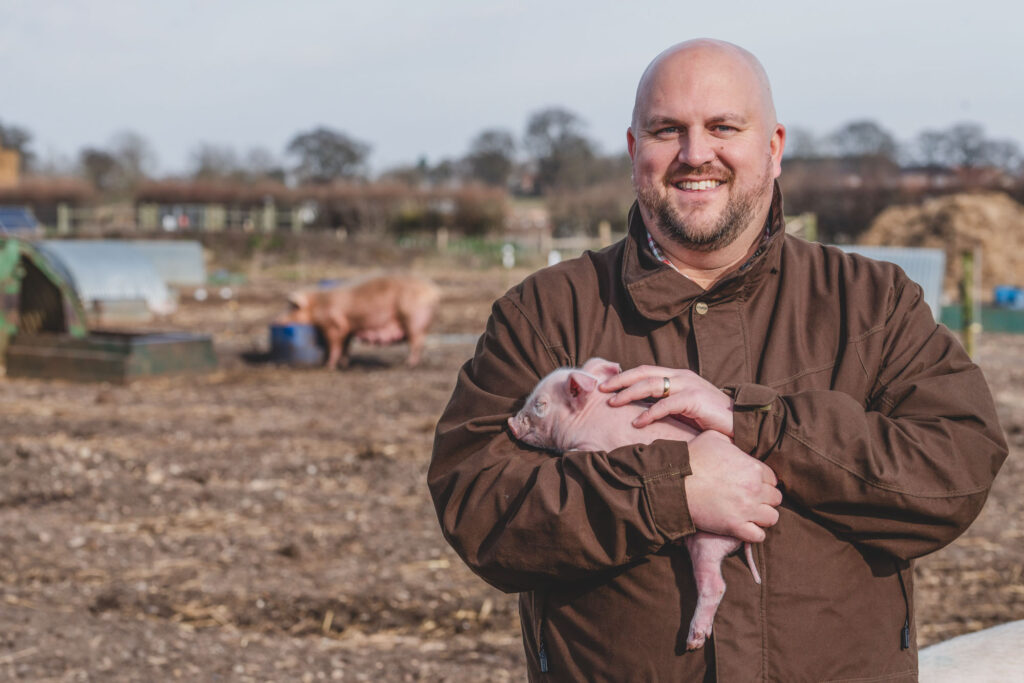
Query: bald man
x=844, y=431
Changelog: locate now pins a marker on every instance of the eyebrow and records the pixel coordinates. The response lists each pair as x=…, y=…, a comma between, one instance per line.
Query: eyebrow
x=727, y=117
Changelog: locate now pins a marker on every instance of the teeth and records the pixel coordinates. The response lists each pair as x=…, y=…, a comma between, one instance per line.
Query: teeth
x=698, y=185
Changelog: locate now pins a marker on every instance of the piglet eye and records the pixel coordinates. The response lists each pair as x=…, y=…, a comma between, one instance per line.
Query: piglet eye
x=540, y=406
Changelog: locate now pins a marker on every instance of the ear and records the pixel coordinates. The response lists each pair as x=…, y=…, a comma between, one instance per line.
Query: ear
x=601, y=368
x=777, y=146
x=298, y=299
x=580, y=386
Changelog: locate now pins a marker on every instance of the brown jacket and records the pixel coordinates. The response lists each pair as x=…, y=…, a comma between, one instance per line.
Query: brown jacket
x=882, y=432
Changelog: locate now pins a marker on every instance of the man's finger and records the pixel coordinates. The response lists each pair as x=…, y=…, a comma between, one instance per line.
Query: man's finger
x=647, y=417
x=652, y=387
x=663, y=408
x=748, y=532
x=768, y=477
x=766, y=516
x=634, y=375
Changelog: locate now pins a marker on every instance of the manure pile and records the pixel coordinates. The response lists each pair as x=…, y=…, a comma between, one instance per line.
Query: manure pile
x=991, y=221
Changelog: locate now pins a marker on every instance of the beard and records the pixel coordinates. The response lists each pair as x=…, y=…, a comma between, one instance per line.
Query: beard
x=739, y=211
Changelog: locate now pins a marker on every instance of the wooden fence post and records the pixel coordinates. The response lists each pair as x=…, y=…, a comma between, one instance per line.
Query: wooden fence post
x=63, y=219
x=971, y=299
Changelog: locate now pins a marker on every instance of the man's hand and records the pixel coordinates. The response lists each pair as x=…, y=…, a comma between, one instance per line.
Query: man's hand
x=730, y=493
x=690, y=396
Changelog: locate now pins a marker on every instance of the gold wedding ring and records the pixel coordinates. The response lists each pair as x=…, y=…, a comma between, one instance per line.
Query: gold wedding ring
x=666, y=385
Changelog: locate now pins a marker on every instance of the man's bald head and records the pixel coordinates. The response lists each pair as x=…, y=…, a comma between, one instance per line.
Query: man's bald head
x=695, y=54
x=706, y=149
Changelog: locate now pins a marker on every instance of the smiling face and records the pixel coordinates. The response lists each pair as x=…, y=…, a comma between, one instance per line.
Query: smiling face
x=705, y=146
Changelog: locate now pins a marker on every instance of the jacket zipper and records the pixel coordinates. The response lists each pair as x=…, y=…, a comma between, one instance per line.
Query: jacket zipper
x=542, y=651
x=905, y=631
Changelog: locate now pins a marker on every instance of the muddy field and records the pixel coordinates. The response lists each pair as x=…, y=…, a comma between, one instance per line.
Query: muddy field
x=266, y=523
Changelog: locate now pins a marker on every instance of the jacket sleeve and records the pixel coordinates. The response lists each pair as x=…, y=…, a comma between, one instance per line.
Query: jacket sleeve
x=521, y=517
x=908, y=468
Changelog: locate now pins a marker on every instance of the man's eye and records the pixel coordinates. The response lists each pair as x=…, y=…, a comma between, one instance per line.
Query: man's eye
x=722, y=128
x=667, y=131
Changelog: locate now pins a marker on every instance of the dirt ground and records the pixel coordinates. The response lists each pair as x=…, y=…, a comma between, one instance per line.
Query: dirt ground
x=267, y=523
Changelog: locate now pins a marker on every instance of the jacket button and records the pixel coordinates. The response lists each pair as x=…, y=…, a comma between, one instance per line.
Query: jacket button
x=701, y=308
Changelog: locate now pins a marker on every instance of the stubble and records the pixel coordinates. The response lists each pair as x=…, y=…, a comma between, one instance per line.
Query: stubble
x=733, y=221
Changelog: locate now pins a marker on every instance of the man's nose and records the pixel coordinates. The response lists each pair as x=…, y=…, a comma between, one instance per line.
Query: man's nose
x=695, y=149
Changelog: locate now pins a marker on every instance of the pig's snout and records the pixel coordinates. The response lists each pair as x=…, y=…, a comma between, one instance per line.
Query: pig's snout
x=513, y=426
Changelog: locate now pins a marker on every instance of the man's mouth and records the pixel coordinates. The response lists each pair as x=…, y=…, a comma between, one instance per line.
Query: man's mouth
x=697, y=185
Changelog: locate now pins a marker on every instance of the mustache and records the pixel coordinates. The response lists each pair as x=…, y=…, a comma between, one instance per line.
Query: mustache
x=708, y=170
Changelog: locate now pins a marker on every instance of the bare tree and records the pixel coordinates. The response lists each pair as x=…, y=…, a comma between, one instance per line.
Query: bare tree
x=862, y=139
x=931, y=148
x=214, y=162
x=966, y=145
x=562, y=154
x=491, y=157
x=135, y=156
x=260, y=163
x=801, y=143
x=1004, y=154
x=100, y=168
x=324, y=155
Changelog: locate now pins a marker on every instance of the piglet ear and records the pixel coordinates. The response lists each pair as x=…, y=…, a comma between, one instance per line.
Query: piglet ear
x=601, y=368
x=580, y=386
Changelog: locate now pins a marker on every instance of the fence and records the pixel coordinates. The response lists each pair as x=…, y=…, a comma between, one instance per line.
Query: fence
x=152, y=217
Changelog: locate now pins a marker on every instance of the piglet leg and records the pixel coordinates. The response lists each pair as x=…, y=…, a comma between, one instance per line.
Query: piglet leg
x=707, y=551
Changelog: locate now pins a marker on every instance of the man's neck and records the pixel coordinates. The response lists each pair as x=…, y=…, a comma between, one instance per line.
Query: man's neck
x=706, y=268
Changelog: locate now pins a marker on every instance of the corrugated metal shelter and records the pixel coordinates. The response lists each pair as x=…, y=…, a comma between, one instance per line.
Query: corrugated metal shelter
x=43, y=330
x=179, y=262
x=926, y=267
x=110, y=271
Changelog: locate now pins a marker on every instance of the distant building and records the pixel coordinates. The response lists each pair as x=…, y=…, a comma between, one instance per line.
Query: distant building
x=10, y=163
x=925, y=178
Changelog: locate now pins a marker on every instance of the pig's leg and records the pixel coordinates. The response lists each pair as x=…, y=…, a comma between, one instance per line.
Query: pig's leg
x=333, y=337
x=337, y=336
x=415, y=327
x=706, y=553
x=415, y=350
x=345, y=344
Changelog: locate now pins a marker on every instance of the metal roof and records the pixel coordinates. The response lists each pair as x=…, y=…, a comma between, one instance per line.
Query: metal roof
x=112, y=270
x=179, y=262
x=924, y=266
x=17, y=219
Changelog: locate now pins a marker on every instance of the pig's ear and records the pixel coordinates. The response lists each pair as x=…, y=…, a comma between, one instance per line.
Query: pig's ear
x=601, y=368
x=579, y=386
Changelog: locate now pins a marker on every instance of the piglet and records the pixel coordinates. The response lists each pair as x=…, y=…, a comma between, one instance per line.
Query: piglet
x=565, y=412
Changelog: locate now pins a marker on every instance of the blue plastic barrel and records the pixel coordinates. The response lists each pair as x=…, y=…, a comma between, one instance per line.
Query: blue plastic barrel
x=295, y=344
x=1008, y=296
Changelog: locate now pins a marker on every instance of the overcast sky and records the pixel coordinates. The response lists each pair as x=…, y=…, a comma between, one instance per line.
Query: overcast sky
x=423, y=78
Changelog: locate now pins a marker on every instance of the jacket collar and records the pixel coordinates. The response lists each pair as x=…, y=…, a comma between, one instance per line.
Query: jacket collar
x=660, y=293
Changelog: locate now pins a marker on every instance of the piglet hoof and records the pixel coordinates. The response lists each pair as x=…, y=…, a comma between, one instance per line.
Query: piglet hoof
x=696, y=637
